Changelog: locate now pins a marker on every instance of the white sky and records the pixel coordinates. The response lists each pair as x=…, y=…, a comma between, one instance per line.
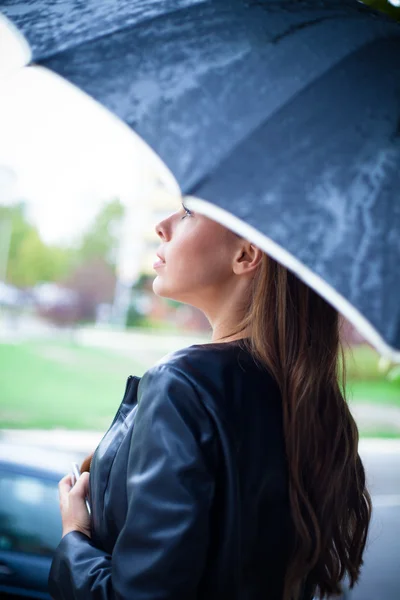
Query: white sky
x=64, y=153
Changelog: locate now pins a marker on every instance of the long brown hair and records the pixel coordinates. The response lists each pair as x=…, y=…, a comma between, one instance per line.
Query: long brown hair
x=295, y=333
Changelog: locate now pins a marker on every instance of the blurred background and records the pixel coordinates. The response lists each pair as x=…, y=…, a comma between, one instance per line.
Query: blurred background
x=71, y=330
x=78, y=316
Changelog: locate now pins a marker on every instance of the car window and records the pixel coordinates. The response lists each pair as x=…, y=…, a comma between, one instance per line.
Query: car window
x=29, y=514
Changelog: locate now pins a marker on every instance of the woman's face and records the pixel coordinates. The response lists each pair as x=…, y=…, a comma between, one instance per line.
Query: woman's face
x=196, y=257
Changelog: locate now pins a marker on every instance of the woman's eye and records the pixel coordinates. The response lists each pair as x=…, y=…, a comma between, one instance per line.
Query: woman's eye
x=187, y=212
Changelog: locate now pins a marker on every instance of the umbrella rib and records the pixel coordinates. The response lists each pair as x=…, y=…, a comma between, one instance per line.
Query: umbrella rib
x=61, y=50
x=194, y=187
x=300, y=26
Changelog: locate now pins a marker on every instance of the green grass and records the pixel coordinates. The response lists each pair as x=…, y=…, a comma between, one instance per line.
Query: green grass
x=54, y=384
x=362, y=363
x=378, y=392
x=48, y=385
x=380, y=433
x=365, y=382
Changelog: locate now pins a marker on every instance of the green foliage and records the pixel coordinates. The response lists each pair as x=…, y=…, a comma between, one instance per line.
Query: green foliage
x=362, y=363
x=30, y=260
x=172, y=303
x=384, y=6
x=135, y=318
x=101, y=239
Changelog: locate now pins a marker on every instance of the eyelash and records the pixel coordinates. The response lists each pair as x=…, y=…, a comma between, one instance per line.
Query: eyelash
x=187, y=213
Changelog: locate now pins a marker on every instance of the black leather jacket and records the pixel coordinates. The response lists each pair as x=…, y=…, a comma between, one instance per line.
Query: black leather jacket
x=188, y=488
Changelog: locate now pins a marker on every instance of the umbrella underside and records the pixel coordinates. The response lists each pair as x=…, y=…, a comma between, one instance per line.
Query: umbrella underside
x=282, y=118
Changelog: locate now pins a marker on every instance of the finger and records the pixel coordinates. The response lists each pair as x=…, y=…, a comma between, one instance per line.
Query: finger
x=64, y=488
x=65, y=484
x=81, y=487
x=65, y=478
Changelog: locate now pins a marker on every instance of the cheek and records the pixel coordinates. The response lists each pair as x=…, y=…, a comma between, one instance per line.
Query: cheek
x=201, y=259
x=193, y=264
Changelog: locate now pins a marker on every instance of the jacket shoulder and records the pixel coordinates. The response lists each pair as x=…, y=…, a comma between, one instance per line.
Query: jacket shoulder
x=168, y=389
x=213, y=371
x=199, y=361
x=177, y=369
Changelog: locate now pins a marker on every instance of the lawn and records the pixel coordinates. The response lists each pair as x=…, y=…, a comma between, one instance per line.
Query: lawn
x=46, y=385
x=54, y=384
x=364, y=380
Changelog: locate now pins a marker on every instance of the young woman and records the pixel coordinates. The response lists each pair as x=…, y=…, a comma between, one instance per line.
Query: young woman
x=231, y=469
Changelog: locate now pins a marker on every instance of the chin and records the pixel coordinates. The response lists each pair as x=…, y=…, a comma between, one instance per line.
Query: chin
x=157, y=286
x=162, y=290
x=159, y=289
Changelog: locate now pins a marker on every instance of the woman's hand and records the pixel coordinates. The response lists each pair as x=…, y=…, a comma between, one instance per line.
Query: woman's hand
x=74, y=514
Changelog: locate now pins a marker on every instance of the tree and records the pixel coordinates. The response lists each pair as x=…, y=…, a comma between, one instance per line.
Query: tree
x=93, y=276
x=94, y=281
x=30, y=260
x=101, y=240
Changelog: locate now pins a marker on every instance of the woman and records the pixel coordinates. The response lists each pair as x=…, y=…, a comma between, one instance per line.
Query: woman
x=231, y=469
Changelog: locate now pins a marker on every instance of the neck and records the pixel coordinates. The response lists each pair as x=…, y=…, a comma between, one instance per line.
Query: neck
x=224, y=309
x=216, y=337
x=225, y=321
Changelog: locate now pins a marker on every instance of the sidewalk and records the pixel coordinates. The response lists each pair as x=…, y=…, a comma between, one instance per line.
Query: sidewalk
x=376, y=417
x=86, y=441
x=53, y=439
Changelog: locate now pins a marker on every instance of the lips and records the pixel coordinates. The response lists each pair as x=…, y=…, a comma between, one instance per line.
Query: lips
x=159, y=263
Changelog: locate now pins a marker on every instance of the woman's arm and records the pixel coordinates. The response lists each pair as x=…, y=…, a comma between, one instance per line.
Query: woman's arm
x=161, y=550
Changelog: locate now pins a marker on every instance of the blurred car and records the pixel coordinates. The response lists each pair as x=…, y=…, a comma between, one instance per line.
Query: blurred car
x=30, y=522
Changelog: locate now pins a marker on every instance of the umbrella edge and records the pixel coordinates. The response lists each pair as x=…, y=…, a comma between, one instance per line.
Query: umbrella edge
x=155, y=165
x=12, y=41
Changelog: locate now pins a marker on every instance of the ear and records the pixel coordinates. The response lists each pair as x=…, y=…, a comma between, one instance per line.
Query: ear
x=247, y=258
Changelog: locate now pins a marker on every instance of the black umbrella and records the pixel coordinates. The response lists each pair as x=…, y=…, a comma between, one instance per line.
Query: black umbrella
x=282, y=116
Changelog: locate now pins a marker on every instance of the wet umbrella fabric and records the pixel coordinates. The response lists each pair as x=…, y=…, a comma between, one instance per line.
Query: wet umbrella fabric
x=281, y=116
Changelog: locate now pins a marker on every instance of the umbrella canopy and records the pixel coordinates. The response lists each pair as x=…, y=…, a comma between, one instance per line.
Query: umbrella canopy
x=281, y=117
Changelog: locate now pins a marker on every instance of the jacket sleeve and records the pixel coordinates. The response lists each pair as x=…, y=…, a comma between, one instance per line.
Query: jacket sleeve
x=161, y=550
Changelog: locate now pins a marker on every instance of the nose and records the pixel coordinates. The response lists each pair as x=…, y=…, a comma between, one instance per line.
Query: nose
x=164, y=229
x=160, y=231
